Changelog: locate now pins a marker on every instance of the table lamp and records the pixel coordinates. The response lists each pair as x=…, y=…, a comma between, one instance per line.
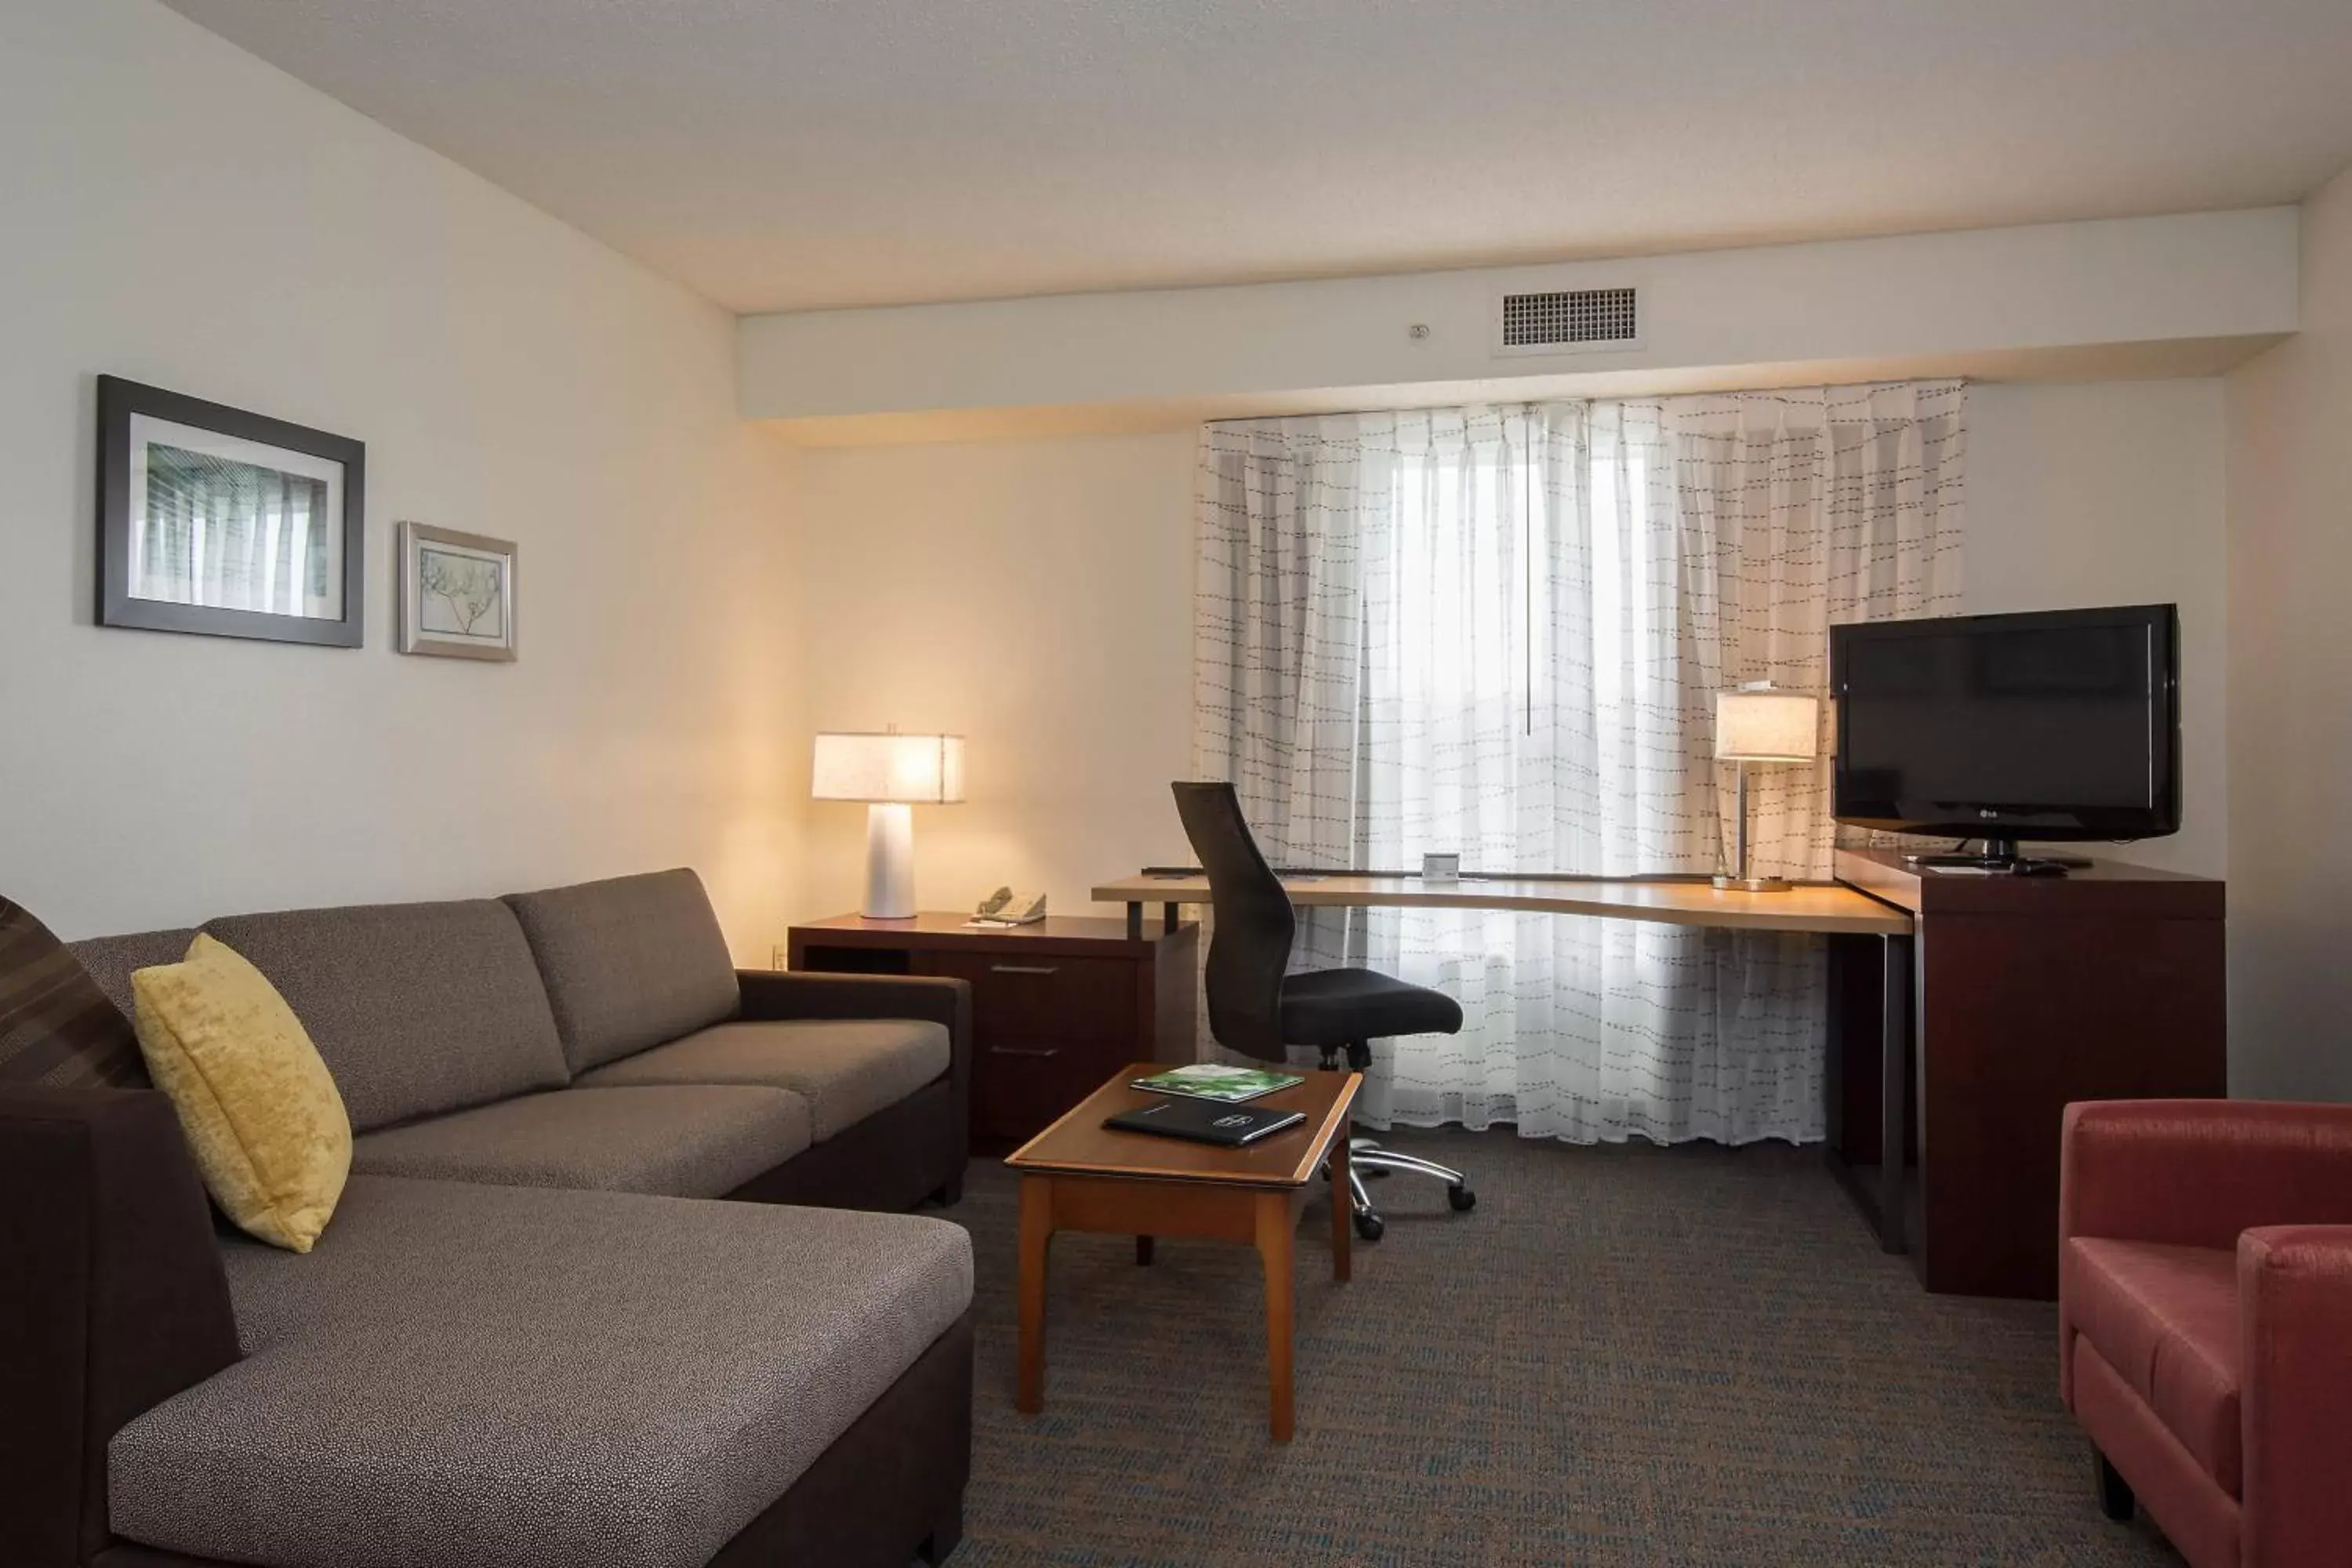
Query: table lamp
x=892, y=774
x=1759, y=724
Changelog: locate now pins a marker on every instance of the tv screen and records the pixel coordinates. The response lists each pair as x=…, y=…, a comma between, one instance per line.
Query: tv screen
x=2063, y=725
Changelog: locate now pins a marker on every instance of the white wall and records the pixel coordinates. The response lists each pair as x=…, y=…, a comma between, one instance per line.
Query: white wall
x=1076, y=550
x=2290, y=499
x=1035, y=597
x=2111, y=493
x=179, y=213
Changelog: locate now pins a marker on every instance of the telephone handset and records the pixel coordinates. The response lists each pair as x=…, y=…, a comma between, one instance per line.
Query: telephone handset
x=1006, y=908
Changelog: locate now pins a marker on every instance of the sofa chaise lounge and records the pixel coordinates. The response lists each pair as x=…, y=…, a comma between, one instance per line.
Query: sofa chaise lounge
x=528, y=1337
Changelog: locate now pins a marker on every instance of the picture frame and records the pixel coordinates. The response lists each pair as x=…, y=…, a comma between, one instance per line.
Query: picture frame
x=457, y=597
x=222, y=522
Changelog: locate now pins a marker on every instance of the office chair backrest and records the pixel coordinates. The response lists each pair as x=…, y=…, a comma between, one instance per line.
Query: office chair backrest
x=1251, y=947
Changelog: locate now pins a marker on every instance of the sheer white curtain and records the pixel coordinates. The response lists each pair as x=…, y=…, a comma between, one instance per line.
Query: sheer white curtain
x=1799, y=509
x=1499, y=631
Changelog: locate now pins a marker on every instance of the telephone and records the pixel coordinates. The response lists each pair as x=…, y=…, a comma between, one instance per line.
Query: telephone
x=1006, y=908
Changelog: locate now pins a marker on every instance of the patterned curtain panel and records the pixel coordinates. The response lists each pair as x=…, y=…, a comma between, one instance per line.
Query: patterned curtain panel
x=1500, y=631
x=1798, y=510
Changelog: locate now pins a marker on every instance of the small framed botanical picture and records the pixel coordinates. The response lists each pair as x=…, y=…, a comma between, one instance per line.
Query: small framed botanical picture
x=216, y=521
x=457, y=593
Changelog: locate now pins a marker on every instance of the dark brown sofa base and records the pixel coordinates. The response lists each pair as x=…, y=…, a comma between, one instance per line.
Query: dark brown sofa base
x=114, y=1301
x=889, y=1487
x=895, y=1159
x=888, y=1490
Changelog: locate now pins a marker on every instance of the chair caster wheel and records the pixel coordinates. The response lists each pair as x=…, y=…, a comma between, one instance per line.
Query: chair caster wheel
x=1461, y=1200
x=1369, y=1226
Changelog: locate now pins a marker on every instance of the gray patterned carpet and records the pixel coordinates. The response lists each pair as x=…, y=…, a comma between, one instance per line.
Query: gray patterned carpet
x=1623, y=1356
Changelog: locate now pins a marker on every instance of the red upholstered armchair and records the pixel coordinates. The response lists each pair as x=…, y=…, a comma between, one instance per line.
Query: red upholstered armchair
x=2205, y=1320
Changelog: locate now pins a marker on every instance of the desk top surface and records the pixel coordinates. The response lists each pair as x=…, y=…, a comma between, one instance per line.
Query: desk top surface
x=1806, y=907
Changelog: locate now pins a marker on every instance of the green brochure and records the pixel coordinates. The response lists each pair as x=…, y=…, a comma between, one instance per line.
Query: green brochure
x=1214, y=1081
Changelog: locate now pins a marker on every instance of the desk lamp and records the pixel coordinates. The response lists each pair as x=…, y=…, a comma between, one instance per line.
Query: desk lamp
x=1759, y=724
x=892, y=774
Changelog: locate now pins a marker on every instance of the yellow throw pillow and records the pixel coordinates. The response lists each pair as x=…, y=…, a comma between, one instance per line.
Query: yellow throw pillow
x=269, y=1133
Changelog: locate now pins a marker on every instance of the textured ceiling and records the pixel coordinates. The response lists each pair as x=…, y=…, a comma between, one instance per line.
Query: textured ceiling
x=786, y=154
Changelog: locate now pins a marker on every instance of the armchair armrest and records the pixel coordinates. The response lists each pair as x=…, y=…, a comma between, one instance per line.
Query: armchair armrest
x=774, y=996
x=116, y=1300
x=2197, y=1173
x=2295, y=1295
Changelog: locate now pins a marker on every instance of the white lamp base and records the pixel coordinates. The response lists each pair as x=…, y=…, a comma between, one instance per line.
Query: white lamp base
x=889, y=862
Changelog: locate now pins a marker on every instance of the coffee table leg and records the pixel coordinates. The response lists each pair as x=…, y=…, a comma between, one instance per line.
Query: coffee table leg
x=1037, y=1236
x=1343, y=1218
x=1143, y=1249
x=1275, y=1224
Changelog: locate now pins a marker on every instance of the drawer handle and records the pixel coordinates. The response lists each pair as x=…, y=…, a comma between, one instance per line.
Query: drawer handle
x=1024, y=968
x=1024, y=1050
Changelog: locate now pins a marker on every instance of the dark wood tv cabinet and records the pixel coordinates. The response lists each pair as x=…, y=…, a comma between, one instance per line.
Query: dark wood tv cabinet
x=1058, y=1008
x=2026, y=993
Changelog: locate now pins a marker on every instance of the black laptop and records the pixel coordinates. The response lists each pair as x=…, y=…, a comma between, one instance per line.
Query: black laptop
x=1204, y=1121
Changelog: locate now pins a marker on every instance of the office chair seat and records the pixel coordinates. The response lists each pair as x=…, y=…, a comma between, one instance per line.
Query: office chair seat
x=1340, y=1007
x=1257, y=1009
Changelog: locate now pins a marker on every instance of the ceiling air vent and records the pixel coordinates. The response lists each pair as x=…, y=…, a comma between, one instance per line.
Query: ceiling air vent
x=1566, y=321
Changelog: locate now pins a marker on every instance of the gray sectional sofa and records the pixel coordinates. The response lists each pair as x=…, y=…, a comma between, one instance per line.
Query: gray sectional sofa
x=528, y=1337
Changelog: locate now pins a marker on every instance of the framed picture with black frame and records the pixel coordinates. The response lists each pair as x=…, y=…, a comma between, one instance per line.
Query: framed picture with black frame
x=215, y=521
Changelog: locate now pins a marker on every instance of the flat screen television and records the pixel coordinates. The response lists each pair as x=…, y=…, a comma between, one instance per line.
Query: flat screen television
x=2063, y=725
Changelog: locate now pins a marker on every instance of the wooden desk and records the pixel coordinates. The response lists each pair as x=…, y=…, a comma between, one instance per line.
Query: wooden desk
x=1078, y=1174
x=2031, y=992
x=1825, y=907
x=1964, y=1014
x=1856, y=923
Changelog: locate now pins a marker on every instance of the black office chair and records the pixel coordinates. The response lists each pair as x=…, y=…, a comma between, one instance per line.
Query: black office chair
x=1257, y=1009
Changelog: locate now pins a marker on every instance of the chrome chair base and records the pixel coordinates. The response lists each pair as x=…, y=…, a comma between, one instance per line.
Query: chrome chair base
x=1366, y=1157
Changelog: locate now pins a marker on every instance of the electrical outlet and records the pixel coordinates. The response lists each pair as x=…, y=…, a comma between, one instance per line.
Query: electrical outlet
x=778, y=956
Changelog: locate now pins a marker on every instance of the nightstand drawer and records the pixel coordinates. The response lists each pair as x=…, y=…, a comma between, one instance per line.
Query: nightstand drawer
x=1018, y=1089
x=1025, y=1000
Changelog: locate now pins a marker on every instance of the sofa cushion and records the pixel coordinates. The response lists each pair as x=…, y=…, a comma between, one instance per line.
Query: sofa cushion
x=416, y=1009
x=57, y=1027
x=846, y=1069
x=514, y=1378
x=2166, y=1319
x=629, y=963
x=682, y=1141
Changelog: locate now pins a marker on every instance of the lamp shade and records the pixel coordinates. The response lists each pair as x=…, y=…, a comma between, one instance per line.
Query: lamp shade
x=1756, y=724
x=916, y=769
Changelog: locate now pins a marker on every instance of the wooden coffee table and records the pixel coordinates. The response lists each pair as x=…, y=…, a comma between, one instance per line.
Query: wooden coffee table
x=1077, y=1174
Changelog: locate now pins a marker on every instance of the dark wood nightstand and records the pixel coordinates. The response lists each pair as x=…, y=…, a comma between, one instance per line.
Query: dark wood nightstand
x=1058, y=1008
